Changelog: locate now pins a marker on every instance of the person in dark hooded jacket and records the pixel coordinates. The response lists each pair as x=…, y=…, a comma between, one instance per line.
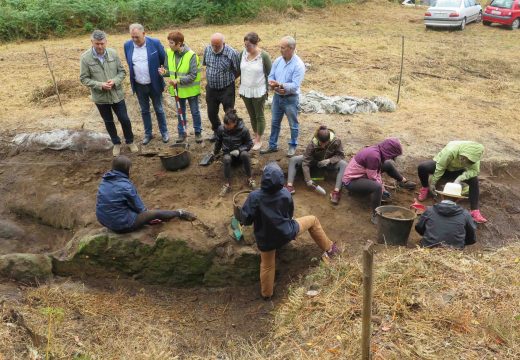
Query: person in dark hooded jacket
x=119, y=207
x=235, y=141
x=363, y=173
x=270, y=209
x=446, y=224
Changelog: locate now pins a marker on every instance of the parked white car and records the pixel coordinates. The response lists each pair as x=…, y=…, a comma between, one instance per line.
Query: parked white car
x=453, y=13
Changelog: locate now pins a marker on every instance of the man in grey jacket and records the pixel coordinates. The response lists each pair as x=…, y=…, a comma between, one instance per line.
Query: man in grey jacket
x=102, y=71
x=447, y=224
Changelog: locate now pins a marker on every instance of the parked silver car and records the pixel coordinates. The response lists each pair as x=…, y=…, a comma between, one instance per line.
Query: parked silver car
x=452, y=13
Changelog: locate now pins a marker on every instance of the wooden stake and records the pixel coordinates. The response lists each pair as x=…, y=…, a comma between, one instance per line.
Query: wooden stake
x=401, y=73
x=366, y=331
x=53, y=79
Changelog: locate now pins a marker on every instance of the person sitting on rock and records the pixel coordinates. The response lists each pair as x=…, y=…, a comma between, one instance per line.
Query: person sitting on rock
x=459, y=161
x=324, y=151
x=363, y=172
x=446, y=223
x=119, y=207
x=235, y=141
x=271, y=210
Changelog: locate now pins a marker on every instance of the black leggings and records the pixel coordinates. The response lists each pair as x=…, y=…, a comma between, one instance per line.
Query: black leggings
x=149, y=215
x=364, y=186
x=427, y=168
x=243, y=157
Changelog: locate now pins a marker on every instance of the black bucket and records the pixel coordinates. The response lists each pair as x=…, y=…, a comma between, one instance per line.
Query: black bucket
x=394, y=224
x=176, y=158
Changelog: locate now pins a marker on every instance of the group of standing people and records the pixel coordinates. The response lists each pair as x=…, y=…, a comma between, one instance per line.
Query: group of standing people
x=150, y=65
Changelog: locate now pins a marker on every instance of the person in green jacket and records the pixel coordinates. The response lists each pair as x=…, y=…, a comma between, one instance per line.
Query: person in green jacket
x=459, y=161
x=101, y=70
x=182, y=67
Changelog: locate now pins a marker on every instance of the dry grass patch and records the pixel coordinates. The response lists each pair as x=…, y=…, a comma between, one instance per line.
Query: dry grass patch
x=428, y=304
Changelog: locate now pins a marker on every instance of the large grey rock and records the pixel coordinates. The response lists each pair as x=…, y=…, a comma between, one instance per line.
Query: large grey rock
x=56, y=210
x=27, y=268
x=9, y=230
x=180, y=256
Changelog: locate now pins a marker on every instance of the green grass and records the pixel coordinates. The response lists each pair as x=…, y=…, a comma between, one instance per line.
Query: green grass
x=38, y=19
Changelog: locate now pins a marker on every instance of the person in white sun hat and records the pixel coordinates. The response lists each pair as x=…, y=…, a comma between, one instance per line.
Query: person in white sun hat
x=447, y=224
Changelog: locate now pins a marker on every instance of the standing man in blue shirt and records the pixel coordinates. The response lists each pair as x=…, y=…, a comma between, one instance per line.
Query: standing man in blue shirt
x=285, y=79
x=222, y=68
x=145, y=56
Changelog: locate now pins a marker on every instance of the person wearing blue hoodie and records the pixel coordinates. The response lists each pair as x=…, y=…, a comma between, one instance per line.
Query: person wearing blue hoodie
x=119, y=207
x=270, y=209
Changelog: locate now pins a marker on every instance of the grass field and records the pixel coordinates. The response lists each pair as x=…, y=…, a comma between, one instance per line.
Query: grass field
x=456, y=85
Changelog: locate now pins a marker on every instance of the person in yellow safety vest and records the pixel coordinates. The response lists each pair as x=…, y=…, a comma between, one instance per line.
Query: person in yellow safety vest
x=182, y=67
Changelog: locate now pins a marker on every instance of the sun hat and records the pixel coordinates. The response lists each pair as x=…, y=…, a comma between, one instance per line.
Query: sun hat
x=452, y=190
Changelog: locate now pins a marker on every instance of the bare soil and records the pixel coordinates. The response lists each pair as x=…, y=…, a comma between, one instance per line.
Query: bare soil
x=456, y=85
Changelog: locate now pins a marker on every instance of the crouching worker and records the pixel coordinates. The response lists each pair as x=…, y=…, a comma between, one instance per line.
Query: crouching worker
x=459, y=161
x=235, y=141
x=119, y=207
x=446, y=223
x=363, y=173
x=324, y=151
x=271, y=210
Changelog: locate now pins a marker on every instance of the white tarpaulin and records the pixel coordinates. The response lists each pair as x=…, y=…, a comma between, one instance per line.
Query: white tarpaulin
x=61, y=139
x=315, y=102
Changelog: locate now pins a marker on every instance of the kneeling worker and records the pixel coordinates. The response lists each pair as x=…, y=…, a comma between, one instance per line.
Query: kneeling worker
x=119, y=207
x=363, y=174
x=324, y=151
x=459, y=161
x=271, y=210
x=446, y=223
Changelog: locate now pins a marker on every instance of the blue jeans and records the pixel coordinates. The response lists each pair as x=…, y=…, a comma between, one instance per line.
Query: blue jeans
x=195, y=114
x=144, y=94
x=287, y=105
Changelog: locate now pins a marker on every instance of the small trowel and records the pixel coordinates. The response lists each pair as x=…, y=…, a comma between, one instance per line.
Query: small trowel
x=207, y=159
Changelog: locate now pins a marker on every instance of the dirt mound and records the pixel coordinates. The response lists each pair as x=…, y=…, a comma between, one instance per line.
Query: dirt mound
x=68, y=89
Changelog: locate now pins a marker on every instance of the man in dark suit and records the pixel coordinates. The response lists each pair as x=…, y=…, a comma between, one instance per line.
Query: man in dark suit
x=145, y=55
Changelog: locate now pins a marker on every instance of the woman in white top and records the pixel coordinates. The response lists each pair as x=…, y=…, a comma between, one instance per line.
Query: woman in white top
x=255, y=66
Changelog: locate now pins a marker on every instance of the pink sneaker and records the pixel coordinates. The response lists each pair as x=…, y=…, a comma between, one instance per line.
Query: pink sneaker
x=477, y=216
x=423, y=193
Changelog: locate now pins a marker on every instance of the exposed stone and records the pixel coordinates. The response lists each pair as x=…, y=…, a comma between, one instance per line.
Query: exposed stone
x=27, y=268
x=179, y=257
x=9, y=230
x=56, y=210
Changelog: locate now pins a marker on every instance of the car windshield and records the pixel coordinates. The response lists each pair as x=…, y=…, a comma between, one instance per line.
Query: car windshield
x=507, y=4
x=447, y=3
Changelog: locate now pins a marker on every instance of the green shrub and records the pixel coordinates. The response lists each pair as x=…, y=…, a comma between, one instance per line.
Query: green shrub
x=37, y=19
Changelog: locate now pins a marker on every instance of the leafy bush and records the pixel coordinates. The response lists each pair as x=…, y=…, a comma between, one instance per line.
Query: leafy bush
x=37, y=19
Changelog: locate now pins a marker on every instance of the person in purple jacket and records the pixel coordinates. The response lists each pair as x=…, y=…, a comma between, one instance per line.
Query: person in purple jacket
x=363, y=173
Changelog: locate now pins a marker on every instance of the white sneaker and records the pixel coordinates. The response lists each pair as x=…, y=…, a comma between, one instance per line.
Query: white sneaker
x=257, y=146
x=133, y=148
x=116, y=150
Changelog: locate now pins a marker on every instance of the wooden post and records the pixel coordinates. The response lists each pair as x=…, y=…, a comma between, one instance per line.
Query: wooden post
x=53, y=79
x=401, y=73
x=366, y=331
